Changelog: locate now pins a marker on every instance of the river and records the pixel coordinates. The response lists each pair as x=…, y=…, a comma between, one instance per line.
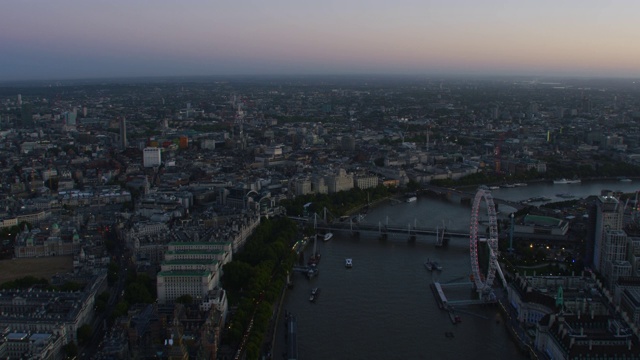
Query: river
x=383, y=307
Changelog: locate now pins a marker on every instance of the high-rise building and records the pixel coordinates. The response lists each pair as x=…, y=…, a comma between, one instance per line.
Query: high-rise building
x=19, y=99
x=609, y=215
x=151, y=157
x=26, y=116
x=184, y=142
x=70, y=118
x=123, y=132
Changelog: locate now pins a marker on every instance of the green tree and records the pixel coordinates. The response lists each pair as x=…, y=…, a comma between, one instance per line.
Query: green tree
x=84, y=333
x=70, y=350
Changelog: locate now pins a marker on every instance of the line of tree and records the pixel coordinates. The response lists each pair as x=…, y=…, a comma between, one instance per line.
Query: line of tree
x=255, y=278
x=29, y=281
x=338, y=203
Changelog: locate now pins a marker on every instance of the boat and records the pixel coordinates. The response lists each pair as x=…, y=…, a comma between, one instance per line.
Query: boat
x=625, y=180
x=412, y=199
x=565, y=195
x=432, y=265
x=567, y=181
x=494, y=187
x=314, y=294
x=348, y=263
x=520, y=184
x=327, y=236
x=312, y=272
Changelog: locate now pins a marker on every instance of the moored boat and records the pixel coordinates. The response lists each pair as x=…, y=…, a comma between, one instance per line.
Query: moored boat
x=432, y=265
x=348, y=263
x=567, y=181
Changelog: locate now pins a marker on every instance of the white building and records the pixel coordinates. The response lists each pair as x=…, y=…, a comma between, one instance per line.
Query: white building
x=151, y=157
x=191, y=268
x=340, y=182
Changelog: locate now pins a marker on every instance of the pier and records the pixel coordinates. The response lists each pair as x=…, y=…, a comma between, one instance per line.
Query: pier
x=447, y=303
x=292, y=341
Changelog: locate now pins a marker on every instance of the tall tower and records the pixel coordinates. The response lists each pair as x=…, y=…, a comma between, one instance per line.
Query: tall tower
x=19, y=99
x=609, y=215
x=123, y=132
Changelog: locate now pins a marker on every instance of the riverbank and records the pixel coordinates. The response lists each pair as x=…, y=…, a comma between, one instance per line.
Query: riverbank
x=358, y=209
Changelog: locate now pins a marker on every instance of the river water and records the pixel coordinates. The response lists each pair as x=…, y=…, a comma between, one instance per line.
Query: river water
x=383, y=307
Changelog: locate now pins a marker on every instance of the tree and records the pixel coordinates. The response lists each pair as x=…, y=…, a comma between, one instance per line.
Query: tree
x=84, y=333
x=70, y=350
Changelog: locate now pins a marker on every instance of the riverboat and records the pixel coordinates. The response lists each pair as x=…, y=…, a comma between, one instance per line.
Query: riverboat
x=314, y=294
x=567, y=181
x=348, y=263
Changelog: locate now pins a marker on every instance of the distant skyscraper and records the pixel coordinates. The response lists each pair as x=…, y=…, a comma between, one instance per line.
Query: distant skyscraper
x=123, y=132
x=19, y=99
x=26, y=116
x=70, y=118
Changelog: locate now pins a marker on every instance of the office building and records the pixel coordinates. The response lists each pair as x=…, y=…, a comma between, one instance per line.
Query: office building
x=123, y=132
x=609, y=214
x=151, y=157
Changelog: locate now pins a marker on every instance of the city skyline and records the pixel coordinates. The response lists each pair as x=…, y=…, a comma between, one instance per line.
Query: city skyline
x=71, y=39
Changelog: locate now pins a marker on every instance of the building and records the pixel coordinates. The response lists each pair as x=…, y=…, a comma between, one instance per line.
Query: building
x=191, y=268
x=184, y=142
x=366, y=182
x=59, y=313
x=28, y=345
x=340, y=181
x=586, y=337
x=536, y=226
x=630, y=304
x=609, y=215
x=123, y=133
x=151, y=157
x=633, y=254
x=614, y=251
x=302, y=186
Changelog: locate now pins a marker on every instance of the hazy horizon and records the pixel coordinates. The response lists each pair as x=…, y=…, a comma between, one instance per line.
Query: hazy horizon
x=74, y=39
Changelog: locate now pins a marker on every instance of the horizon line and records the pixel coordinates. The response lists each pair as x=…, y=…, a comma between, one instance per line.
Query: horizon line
x=4, y=82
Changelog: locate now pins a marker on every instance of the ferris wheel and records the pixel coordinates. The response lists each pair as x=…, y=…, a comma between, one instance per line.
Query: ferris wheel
x=481, y=281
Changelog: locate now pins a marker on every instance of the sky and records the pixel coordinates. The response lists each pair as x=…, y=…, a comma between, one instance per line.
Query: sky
x=71, y=39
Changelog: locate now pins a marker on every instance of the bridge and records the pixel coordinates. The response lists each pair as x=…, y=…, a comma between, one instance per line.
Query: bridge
x=411, y=230
x=465, y=196
x=355, y=225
